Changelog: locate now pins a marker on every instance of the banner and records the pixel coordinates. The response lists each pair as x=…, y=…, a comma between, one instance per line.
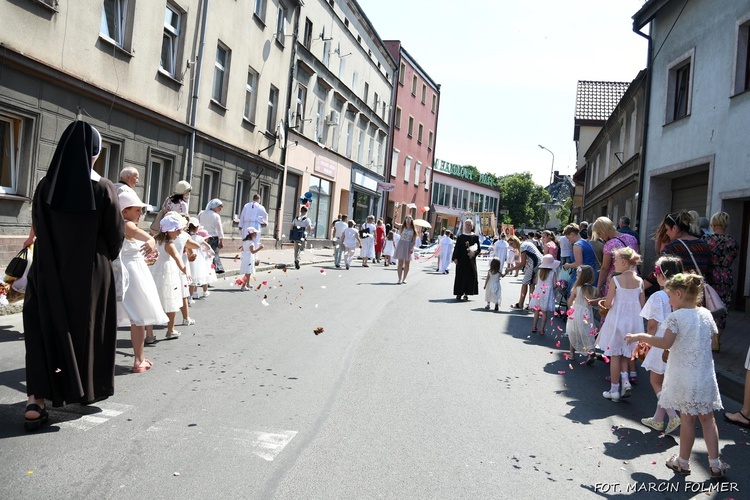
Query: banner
x=387, y=187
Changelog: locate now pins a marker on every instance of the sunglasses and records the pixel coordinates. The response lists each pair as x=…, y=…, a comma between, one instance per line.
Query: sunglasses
x=672, y=219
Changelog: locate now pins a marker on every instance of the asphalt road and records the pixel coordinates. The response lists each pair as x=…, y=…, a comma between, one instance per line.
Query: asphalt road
x=405, y=394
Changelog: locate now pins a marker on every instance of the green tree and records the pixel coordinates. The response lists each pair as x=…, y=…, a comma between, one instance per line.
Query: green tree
x=521, y=198
x=563, y=215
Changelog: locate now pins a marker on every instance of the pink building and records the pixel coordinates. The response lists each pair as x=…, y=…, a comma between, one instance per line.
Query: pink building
x=414, y=120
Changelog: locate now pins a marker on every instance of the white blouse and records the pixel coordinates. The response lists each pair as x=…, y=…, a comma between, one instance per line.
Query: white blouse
x=211, y=221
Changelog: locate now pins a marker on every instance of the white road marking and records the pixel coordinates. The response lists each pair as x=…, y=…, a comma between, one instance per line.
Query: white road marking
x=266, y=443
x=90, y=416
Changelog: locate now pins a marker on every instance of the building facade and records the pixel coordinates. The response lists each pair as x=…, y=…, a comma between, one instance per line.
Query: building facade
x=696, y=153
x=613, y=160
x=415, y=114
x=338, y=121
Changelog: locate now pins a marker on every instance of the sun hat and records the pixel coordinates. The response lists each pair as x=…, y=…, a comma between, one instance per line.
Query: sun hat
x=172, y=222
x=194, y=221
x=250, y=230
x=128, y=199
x=182, y=187
x=549, y=262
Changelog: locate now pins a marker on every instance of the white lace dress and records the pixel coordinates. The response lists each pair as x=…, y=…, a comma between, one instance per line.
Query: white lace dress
x=493, y=291
x=690, y=380
x=657, y=308
x=580, y=325
x=368, y=243
x=623, y=318
x=140, y=304
x=199, y=267
x=167, y=279
x=179, y=244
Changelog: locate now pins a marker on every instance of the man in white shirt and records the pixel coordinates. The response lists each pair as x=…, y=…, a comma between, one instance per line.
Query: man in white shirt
x=338, y=231
x=253, y=215
x=128, y=180
x=566, y=250
x=501, y=249
x=301, y=221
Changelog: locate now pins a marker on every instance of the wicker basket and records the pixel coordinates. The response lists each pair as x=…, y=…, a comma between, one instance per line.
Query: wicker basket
x=603, y=310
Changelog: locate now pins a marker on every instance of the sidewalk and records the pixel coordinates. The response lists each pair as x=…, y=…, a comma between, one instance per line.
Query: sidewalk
x=272, y=258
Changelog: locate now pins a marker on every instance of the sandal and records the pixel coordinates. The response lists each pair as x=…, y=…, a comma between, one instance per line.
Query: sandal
x=32, y=424
x=737, y=422
x=516, y=306
x=720, y=471
x=533, y=330
x=674, y=464
x=147, y=364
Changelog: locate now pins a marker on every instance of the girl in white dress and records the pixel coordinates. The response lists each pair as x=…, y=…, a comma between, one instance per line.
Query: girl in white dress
x=389, y=248
x=367, y=236
x=250, y=247
x=200, y=264
x=446, y=252
x=689, y=380
x=140, y=307
x=167, y=268
x=625, y=299
x=655, y=311
x=580, y=323
x=492, y=289
x=543, y=300
x=183, y=244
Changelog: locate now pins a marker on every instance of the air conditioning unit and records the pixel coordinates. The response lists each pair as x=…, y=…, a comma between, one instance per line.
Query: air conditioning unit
x=333, y=118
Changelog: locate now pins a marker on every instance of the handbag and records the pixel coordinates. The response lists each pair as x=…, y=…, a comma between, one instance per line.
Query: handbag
x=711, y=299
x=155, y=225
x=18, y=264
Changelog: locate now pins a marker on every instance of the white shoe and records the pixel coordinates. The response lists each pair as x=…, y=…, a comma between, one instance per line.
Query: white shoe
x=206, y=293
x=191, y=301
x=626, y=388
x=188, y=321
x=195, y=296
x=173, y=335
x=614, y=396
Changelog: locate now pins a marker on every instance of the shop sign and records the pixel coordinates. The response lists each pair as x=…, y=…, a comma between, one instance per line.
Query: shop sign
x=325, y=167
x=463, y=172
x=386, y=186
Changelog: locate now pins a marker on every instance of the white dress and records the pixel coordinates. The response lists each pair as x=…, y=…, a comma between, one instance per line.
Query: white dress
x=389, y=248
x=179, y=244
x=657, y=308
x=167, y=280
x=492, y=292
x=140, y=304
x=623, y=318
x=543, y=297
x=199, y=267
x=247, y=260
x=368, y=243
x=690, y=380
x=446, y=252
x=580, y=325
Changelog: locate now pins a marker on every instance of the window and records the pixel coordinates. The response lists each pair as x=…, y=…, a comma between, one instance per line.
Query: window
x=407, y=168
x=355, y=81
x=394, y=163
x=251, y=98
x=114, y=21
x=241, y=195
x=434, y=103
x=410, y=130
x=632, y=136
x=456, y=198
x=414, y=82
x=159, y=184
x=264, y=191
x=260, y=10
x=375, y=102
x=10, y=153
x=281, y=24
x=371, y=152
x=210, y=185
x=299, y=109
x=221, y=74
x=349, y=138
x=108, y=163
x=273, y=99
x=307, y=39
x=327, y=53
x=170, y=41
x=679, y=88
x=402, y=73
x=397, y=118
x=742, y=65
x=360, y=145
x=379, y=157
x=427, y=173
x=320, y=117
x=424, y=93
x=342, y=68
x=420, y=132
x=430, y=138
x=366, y=93
x=417, y=168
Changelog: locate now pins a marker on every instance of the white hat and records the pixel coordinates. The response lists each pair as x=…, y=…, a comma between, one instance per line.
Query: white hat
x=128, y=199
x=172, y=222
x=194, y=221
x=182, y=187
x=251, y=229
x=549, y=262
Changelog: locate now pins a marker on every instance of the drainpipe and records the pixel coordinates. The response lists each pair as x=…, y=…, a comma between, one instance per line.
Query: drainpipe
x=644, y=144
x=196, y=87
x=285, y=116
x=389, y=153
x=433, y=215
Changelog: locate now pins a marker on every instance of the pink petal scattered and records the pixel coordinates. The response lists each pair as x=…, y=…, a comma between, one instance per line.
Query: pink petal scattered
x=606, y=359
x=322, y=271
x=557, y=344
x=561, y=372
x=560, y=328
x=565, y=354
x=57, y=370
x=653, y=462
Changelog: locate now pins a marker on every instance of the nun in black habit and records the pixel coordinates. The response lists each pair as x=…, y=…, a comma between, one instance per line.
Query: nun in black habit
x=465, y=253
x=69, y=314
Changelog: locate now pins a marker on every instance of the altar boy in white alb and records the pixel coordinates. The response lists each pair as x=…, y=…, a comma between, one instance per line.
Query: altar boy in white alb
x=253, y=215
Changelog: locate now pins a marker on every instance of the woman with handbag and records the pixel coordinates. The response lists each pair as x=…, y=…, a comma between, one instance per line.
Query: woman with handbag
x=724, y=250
x=70, y=311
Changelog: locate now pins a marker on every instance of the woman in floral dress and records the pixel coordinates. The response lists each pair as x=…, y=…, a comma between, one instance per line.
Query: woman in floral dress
x=723, y=252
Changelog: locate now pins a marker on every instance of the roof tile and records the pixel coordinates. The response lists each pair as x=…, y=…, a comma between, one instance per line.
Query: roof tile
x=597, y=100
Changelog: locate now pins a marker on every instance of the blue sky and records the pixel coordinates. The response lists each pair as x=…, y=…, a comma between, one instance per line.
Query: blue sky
x=509, y=69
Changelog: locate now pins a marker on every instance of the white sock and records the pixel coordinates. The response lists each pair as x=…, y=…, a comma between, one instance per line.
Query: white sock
x=624, y=377
x=615, y=389
x=633, y=375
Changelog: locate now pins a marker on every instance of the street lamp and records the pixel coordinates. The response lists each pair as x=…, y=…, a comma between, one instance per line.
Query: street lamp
x=552, y=170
